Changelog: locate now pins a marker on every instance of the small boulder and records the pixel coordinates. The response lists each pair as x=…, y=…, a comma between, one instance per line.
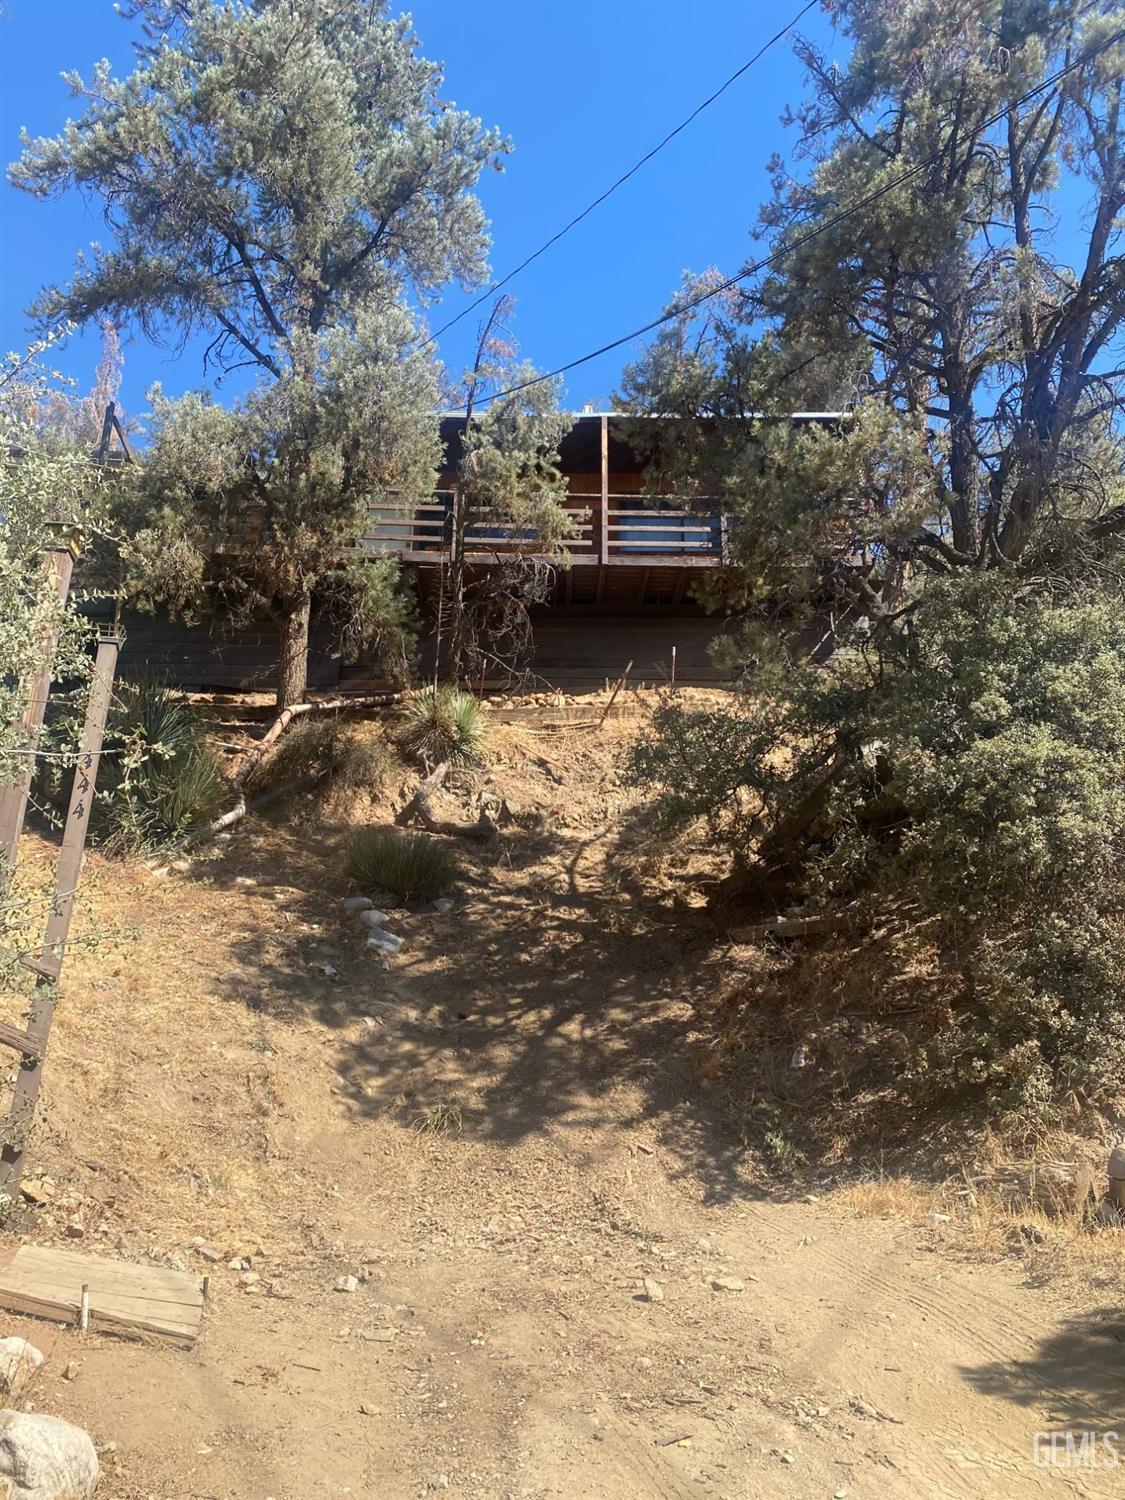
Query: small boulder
x=347, y=1284
x=19, y=1361
x=358, y=903
x=373, y=918
x=45, y=1458
x=444, y=904
x=652, y=1291
x=727, y=1284
x=384, y=942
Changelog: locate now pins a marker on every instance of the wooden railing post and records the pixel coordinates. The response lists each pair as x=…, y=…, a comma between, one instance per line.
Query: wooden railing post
x=603, y=522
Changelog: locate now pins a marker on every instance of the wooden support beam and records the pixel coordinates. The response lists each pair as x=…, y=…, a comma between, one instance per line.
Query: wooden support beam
x=13, y=797
x=18, y=1039
x=603, y=516
x=67, y=873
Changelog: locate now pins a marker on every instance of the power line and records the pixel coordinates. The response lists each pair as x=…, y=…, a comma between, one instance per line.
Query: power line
x=624, y=178
x=680, y=308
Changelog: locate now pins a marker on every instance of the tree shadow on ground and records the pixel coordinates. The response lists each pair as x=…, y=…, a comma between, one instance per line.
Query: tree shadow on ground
x=554, y=1002
x=1077, y=1373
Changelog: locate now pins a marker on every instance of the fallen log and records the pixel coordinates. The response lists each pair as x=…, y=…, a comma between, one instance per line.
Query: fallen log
x=816, y=924
x=235, y=814
x=421, y=808
x=254, y=755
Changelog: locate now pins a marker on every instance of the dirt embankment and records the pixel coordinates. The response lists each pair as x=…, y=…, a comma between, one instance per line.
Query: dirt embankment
x=579, y=1273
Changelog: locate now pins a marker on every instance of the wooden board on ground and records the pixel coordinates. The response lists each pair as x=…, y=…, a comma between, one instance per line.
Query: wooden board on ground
x=124, y=1298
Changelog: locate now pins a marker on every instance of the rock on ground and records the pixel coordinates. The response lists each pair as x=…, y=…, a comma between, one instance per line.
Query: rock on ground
x=45, y=1458
x=19, y=1361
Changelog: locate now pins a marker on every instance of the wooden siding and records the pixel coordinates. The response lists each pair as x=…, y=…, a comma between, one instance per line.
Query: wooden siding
x=200, y=657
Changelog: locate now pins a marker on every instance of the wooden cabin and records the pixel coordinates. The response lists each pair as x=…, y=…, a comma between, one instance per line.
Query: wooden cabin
x=627, y=595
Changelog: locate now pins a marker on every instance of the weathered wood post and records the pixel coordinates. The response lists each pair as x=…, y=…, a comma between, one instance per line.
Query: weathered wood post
x=59, y=560
x=32, y=1043
x=603, y=509
x=1116, y=1193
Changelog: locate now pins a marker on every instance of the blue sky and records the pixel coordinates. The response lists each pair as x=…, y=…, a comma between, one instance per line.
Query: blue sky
x=583, y=88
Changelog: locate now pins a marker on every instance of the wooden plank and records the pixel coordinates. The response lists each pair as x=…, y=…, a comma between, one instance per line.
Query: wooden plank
x=15, y=1036
x=124, y=1298
x=148, y=1281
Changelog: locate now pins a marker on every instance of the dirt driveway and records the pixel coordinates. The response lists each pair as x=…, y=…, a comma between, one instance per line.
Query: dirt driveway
x=570, y=1283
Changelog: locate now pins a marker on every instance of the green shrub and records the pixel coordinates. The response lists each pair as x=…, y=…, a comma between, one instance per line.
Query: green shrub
x=445, y=724
x=973, y=792
x=413, y=866
x=157, y=779
x=319, y=750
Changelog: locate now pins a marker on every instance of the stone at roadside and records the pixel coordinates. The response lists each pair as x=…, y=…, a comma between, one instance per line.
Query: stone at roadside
x=39, y=1191
x=373, y=918
x=208, y=1254
x=444, y=904
x=75, y=1229
x=380, y=1335
x=358, y=903
x=45, y=1458
x=245, y=880
x=384, y=942
x=652, y=1291
x=727, y=1284
x=347, y=1284
x=181, y=866
x=70, y=1370
x=439, y=1482
x=19, y=1361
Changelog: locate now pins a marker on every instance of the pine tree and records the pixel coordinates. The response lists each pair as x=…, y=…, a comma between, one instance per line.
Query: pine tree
x=958, y=531
x=282, y=177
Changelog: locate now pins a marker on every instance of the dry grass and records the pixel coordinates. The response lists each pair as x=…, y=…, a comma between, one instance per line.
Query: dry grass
x=981, y=1219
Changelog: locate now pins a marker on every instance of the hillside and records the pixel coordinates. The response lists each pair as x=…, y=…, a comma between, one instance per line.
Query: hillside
x=579, y=1272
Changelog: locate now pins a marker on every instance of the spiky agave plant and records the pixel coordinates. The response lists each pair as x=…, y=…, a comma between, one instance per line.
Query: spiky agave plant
x=412, y=866
x=159, y=779
x=445, y=723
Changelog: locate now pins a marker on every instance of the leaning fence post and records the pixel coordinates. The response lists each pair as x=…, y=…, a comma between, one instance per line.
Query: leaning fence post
x=1117, y=1178
x=47, y=964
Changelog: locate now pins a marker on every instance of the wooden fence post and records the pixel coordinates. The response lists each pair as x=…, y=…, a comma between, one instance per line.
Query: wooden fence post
x=32, y=1043
x=13, y=797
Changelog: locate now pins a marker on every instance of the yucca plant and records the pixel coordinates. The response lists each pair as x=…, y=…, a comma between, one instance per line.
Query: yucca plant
x=412, y=866
x=157, y=779
x=445, y=723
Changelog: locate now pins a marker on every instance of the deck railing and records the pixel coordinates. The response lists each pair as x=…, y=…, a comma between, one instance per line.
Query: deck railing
x=610, y=528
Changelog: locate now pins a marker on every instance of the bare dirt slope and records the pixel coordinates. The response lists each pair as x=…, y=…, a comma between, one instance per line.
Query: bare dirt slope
x=572, y=1284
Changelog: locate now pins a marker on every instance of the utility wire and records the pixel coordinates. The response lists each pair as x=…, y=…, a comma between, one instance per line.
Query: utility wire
x=624, y=178
x=787, y=249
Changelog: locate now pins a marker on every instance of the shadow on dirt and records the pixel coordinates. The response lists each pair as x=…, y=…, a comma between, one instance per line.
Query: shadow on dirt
x=1077, y=1373
x=528, y=1008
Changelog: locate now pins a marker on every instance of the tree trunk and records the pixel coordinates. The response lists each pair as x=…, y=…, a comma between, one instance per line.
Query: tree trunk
x=293, y=651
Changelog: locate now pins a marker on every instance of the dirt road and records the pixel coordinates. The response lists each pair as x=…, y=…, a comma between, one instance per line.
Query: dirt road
x=571, y=1284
